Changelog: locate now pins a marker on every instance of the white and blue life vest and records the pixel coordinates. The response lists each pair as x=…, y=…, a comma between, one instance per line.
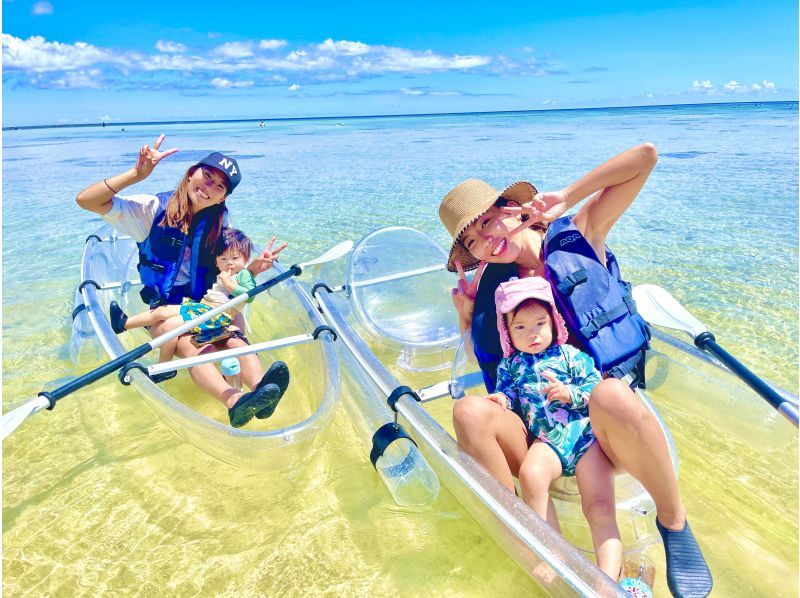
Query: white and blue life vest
x=161, y=255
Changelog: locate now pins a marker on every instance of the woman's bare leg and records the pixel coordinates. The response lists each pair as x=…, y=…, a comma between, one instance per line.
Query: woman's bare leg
x=495, y=437
x=167, y=350
x=154, y=317
x=595, y=475
x=632, y=439
x=207, y=376
x=539, y=469
x=252, y=372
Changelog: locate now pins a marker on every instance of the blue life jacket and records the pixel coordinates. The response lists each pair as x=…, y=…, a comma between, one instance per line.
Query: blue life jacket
x=595, y=302
x=616, y=345
x=161, y=254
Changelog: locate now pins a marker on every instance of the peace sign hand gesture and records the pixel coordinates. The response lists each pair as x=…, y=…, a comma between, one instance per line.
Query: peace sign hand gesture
x=544, y=207
x=556, y=390
x=266, y=258
x=464, y=293
x=150, y=156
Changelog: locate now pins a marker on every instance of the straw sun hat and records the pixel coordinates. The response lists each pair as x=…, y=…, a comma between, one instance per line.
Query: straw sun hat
x=469, y=201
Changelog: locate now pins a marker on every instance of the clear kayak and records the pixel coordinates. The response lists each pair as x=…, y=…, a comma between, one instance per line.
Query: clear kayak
x=399, y=341
x=282, y=325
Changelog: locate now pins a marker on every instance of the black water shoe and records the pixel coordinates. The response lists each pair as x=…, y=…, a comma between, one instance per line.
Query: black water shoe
x=687, y=572
x=118, y=317
x=249, y=403
x=278, y=374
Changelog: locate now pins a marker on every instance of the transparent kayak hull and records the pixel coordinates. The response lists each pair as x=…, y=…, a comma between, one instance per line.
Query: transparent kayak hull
x=293, y=432
x=395, y=297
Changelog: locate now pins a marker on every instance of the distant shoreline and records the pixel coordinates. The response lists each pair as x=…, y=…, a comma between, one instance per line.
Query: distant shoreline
x=366, y=116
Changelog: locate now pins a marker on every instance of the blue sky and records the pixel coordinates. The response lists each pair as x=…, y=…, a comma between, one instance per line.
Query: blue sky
x=80, y=61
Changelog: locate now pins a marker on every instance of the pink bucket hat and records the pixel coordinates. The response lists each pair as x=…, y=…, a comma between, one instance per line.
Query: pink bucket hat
x=510, y=294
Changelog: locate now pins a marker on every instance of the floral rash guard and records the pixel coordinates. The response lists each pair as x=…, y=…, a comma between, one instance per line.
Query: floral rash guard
x=565, y=428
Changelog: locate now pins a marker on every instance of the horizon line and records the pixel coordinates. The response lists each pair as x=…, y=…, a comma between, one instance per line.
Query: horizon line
x=103, y=124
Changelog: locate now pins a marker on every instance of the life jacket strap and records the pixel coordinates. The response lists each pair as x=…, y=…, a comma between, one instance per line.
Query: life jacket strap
x=566, y=286
x=596, y=323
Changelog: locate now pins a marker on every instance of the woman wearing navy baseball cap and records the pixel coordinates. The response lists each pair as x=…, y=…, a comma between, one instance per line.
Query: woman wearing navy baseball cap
x=177, y=233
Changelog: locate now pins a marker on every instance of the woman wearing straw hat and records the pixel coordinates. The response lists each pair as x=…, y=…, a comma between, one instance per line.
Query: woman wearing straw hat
x=519, y=232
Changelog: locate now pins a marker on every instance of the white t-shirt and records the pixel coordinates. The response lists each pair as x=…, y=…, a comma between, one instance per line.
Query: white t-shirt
x=134, y=215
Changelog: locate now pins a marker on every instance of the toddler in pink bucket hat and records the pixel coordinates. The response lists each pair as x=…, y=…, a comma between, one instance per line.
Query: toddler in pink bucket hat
x=548, y=383
x=510, y=294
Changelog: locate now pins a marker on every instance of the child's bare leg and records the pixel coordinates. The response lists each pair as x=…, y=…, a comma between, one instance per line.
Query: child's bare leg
x=167, y=351
x=595, y=475
x=152, y=317
x=539, y=469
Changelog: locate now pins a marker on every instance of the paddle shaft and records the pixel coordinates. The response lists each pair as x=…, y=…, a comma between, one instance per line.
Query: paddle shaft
x=134, y=354
x=707, y=342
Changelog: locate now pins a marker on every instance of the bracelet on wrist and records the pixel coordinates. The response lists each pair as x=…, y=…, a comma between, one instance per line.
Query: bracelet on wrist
x=110, y=188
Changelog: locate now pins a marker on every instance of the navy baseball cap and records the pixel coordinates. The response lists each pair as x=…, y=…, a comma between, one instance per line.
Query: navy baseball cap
x=226, y=165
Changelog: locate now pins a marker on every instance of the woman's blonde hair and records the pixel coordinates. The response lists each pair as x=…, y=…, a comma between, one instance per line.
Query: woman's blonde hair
x=177, y=215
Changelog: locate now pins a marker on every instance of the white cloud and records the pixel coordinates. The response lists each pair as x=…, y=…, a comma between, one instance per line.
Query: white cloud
x=170, y=47
x=294, y=87
x=699, y=85
x=271, y=44
x=416, y=91
x=344, y=47
x=264, y=62
x=221, y=83
x=36, y=54
x=733, y=86
x=42, y=8
x=234, y=50
x=105, y=118
x=82, y=79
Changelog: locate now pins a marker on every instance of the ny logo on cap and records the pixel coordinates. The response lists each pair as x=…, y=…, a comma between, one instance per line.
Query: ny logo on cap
x=227, y=164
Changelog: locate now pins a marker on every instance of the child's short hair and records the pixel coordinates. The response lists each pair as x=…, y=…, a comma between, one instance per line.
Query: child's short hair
x=232, y=238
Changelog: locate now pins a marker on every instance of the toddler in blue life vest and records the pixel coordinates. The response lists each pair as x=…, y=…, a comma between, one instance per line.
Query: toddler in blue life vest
x=233, y=254
x=547, y=383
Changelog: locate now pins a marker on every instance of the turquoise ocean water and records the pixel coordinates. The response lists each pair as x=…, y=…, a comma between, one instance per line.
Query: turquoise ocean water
x=97, y=502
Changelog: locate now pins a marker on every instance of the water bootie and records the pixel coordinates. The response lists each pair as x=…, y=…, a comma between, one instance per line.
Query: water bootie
x=118, y=318
x=687, y=572
x=163, y=376
x=278, y=374
x=250, y=403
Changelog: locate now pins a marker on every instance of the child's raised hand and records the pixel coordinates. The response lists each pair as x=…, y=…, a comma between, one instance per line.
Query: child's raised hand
x=464, y=293
x=556, y=390
x=263, y=261
x=499, y=398
x=544, y=207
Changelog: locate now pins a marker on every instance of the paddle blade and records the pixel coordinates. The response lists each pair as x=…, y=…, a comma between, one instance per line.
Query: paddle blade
x=12, y=420
x=334, y=253
x=658, y=307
